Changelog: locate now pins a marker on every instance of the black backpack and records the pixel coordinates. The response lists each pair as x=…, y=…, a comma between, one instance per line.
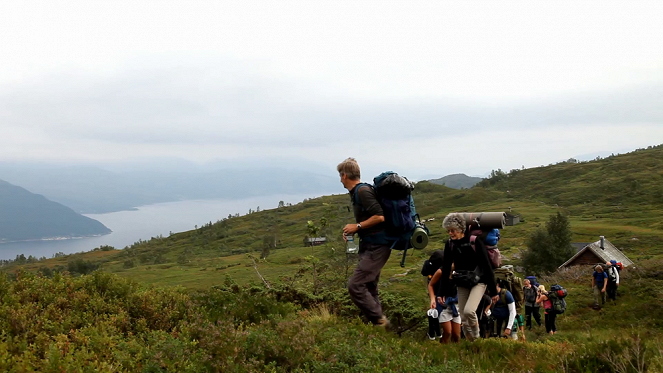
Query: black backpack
x=433, y=263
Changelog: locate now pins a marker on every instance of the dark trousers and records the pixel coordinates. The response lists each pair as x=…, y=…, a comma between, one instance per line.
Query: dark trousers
x=434, y=329
x=487, y=326
x=363, y=284
x=550, y=322
x=500, y=325
x=611, y=290
x=529, y=311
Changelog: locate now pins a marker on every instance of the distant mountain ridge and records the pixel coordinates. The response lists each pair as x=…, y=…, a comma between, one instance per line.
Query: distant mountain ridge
x=28, y=216
x=457, y=181
x=88, y=189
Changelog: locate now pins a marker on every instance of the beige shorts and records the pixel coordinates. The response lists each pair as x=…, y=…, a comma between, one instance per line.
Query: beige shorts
x=447, y=315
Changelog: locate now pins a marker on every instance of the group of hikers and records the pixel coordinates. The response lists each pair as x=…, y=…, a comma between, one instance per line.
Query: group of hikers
x=465, y=295
x=485, y=316
x=605, y=281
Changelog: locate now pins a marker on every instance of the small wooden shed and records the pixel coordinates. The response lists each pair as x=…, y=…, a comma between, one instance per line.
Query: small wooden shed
x=601, y=251
x=314, y=241
x=512, y=220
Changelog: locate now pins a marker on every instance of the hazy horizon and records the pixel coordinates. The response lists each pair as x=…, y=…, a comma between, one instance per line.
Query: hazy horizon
x=423, y=88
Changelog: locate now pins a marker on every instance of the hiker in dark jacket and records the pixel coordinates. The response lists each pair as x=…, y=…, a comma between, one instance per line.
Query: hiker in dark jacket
x=373, y=250
x=473, y=273
x=599, y=285
x=449, y=318
x=530, y=293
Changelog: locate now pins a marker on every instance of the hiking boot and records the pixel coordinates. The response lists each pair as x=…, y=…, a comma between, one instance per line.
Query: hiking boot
x=383, y=322
x=470, y=333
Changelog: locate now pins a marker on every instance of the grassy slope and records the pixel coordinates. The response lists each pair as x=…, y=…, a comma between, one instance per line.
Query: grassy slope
x=620, y=197
x=202, y=258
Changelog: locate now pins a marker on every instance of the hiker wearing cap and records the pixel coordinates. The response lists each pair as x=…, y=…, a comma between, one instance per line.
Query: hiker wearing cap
x=531, y=292
x=599, y=285
x=449, y=317
x=373, y=255
x=613, y=279
x=472, y=273
x=549, y=313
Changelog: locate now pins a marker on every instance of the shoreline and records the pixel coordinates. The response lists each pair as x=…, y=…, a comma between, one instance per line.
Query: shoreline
x=59, y=238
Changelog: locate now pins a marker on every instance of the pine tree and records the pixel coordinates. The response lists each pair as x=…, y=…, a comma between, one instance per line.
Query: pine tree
x=548, y=248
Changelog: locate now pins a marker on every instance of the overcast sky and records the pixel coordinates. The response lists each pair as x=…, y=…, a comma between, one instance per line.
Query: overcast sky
x=424, y=88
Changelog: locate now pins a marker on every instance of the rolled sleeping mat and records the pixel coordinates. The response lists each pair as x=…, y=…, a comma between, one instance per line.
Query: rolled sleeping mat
x=485, y=220
x=419, y=238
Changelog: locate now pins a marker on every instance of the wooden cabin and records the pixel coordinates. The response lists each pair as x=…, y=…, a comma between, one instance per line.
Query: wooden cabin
x=593, y=253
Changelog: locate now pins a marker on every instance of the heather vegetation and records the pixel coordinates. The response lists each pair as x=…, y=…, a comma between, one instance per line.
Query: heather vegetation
x=245, y=294
x=103, y=322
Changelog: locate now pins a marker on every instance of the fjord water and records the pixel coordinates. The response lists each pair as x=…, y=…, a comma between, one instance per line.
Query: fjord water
x=146, y=222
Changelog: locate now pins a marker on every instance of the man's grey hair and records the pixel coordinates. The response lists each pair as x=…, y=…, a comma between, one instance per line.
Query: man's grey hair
x=350, y=168
x=454, y=221
x=598, y=268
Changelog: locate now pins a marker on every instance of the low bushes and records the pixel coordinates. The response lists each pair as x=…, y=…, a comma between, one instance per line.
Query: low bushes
x=104, y=323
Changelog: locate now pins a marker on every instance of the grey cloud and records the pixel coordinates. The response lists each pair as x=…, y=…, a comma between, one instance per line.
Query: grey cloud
x=195, y=107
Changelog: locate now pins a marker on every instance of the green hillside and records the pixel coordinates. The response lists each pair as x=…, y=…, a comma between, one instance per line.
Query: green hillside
x=629, y=180
x=620, y=196
x=207, y=300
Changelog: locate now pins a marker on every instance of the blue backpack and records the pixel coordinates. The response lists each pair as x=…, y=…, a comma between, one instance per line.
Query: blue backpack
x=400, y=217
x=533, y=281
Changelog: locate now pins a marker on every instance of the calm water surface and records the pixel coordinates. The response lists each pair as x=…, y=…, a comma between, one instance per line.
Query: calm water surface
x=146, y=222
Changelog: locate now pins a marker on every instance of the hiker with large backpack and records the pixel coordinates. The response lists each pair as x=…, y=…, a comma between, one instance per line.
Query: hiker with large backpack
x=473, y=273
x=514, y=284
x=530, y=293
x=550, y=315
x=374, y=251
x=613, y=279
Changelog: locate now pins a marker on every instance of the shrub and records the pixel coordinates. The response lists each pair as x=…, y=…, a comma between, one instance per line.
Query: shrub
x=80, y=266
